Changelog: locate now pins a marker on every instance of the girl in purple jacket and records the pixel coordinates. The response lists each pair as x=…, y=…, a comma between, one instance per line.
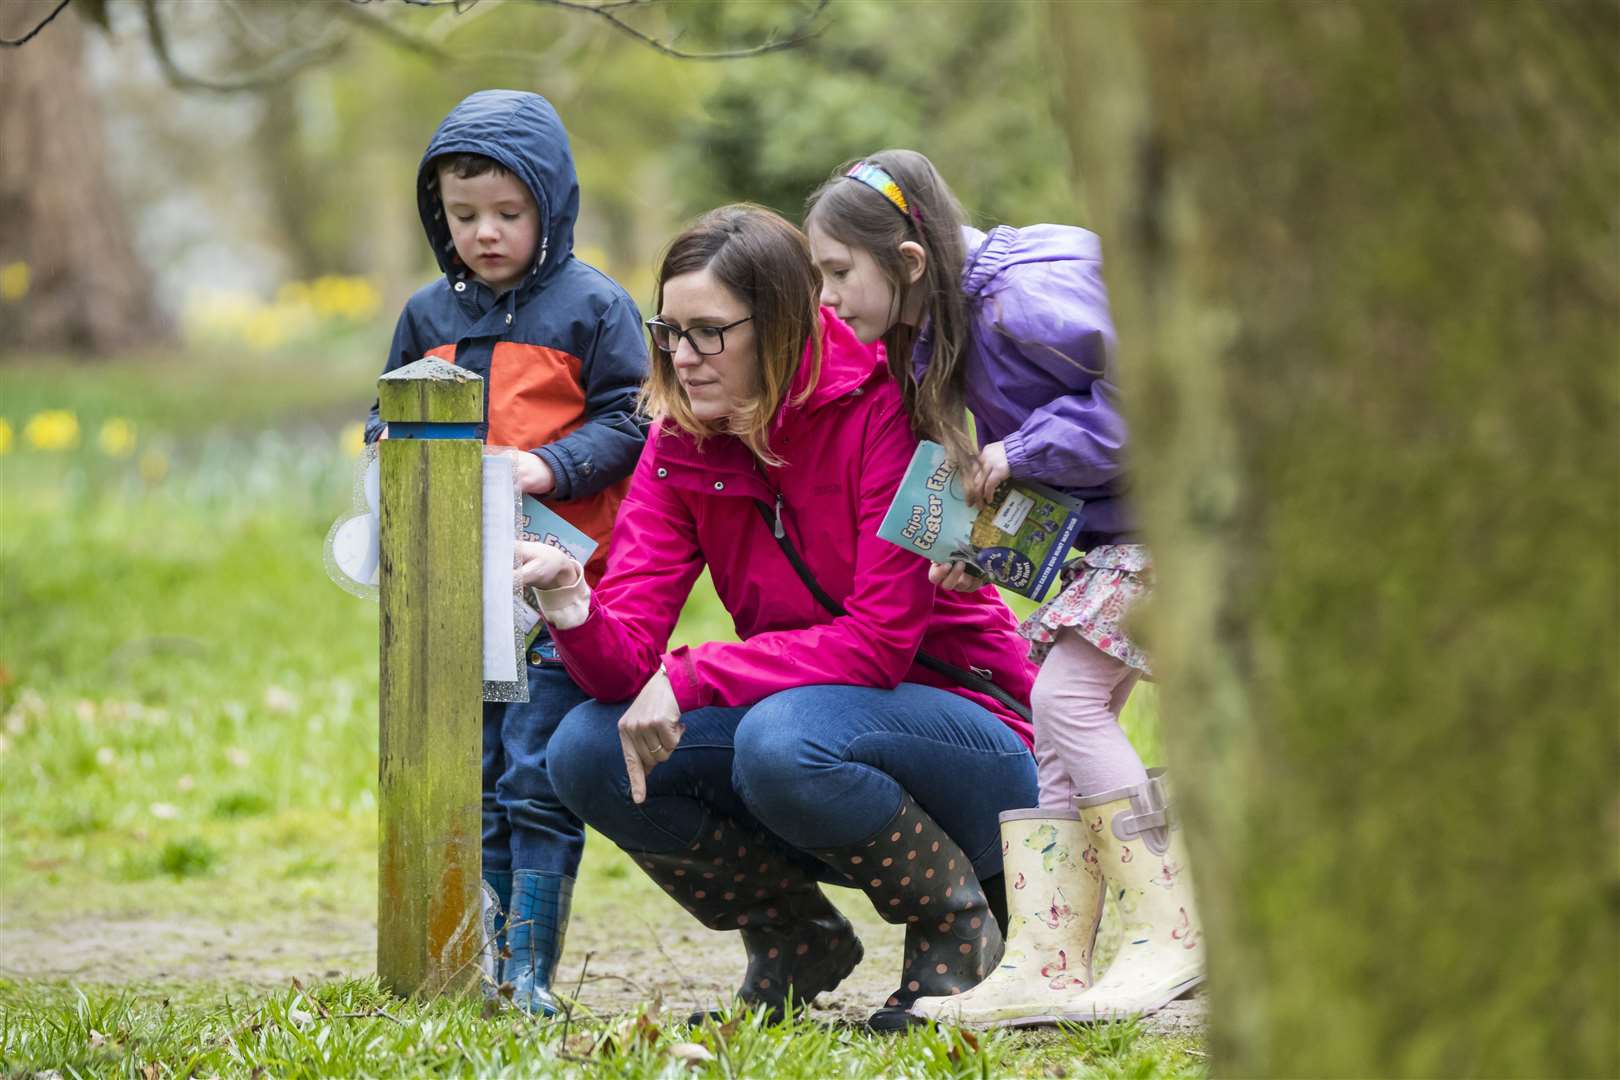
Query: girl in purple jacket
x=1014, y=327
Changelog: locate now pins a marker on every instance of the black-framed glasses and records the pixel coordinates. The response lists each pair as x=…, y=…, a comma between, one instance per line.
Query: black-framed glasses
x=705, y=340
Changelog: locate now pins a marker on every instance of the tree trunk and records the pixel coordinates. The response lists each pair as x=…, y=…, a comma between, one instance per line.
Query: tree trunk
x=86, y=290
x=1365, y=270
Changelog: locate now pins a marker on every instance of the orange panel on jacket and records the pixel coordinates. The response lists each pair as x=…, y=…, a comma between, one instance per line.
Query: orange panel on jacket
x=535, y=398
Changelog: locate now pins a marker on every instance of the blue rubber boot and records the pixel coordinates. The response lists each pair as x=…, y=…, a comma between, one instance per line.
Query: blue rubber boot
x=497, y=902
x=535, y=924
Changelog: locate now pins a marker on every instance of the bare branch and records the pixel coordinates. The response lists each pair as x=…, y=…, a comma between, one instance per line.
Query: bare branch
x=389, y=31
x=43, y=23
x=804, y=30
x=292, y=61
x=800, y=32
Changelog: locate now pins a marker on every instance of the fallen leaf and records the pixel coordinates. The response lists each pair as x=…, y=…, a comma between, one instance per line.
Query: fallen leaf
x=579, y=1044
x=692, y=1054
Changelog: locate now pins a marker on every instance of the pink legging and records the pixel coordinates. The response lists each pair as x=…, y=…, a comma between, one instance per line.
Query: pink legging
x=1080, y=749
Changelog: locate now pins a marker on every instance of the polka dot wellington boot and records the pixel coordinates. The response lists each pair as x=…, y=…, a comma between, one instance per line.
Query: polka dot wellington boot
x=1054, y=901
x=730, y=878
x=915, y=874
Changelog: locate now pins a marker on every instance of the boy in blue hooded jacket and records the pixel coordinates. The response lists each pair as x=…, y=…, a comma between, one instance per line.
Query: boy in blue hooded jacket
x=560, y=347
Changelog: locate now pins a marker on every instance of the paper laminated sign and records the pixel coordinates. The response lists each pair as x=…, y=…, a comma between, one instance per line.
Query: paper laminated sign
x=352, y=558
x=506, y=677
x=1018, y=541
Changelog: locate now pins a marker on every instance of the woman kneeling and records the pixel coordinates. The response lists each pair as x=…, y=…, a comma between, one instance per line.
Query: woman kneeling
x=817, y=747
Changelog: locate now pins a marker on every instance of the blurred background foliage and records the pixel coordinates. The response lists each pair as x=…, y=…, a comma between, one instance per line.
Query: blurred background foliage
x=311, y=175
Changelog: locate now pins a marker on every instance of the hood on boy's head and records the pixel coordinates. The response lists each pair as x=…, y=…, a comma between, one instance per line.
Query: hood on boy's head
x=522, y=132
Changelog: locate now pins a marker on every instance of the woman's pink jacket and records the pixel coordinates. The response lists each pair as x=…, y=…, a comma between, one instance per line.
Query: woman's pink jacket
x=845, y=448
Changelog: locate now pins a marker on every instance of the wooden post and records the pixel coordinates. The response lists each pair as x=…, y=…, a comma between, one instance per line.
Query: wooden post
x=430, y=857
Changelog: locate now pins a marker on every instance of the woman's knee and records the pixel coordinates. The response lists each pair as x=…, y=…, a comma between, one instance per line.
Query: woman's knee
x=777, y=756
x=585, y=759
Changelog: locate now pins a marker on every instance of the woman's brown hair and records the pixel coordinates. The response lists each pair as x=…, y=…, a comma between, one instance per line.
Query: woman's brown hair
x=765, y=262
x=857, y=216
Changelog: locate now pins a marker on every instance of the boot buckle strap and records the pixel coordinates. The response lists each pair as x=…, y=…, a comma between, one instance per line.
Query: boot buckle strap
x=1149, y=819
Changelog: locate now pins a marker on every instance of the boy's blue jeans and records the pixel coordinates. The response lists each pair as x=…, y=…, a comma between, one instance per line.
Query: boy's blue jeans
x=817, y=766
x=526, y=827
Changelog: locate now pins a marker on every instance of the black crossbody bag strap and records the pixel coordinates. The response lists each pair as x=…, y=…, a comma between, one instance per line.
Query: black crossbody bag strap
x=961, y=676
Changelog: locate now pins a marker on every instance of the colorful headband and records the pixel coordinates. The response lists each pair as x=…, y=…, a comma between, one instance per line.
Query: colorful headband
x=878, y=180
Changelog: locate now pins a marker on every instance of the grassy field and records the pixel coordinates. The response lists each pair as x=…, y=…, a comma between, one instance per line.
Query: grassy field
x=188, y=780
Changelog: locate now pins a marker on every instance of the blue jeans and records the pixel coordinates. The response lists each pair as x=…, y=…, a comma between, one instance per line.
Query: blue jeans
x=817, y=766
x=526, y=827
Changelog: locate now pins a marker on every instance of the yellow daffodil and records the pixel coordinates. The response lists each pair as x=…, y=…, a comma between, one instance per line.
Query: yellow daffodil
x=14, y=281
x=153, y=466
x=353, y=439
x=117, y=438
x=53, y=429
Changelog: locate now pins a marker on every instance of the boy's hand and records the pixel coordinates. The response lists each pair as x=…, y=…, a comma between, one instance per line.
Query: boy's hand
x=532, y=473
x=543, y=566
x=649, y=731
x=955, y=576
x=987, y=474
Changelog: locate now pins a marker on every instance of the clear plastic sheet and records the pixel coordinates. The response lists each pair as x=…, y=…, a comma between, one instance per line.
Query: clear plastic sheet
x=352, y=552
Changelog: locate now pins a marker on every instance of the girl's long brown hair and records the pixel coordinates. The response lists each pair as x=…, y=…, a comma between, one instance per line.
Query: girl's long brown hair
x=859, y=217
x=765, y=262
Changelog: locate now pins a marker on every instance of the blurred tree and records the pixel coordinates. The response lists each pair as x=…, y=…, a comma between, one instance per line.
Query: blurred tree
x=956, y=81
x=83, y=287
x=1365, y=269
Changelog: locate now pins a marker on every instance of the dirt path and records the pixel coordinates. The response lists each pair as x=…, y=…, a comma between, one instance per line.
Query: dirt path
x=638, y=944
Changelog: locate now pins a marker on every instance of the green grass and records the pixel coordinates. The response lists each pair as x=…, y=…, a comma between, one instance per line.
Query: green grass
x=354, y=1029
x=188, y=740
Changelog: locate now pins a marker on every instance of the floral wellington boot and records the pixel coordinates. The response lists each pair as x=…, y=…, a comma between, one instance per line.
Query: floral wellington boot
x=1143, y=854
x=914, y=873
x=1054, y=902
x=729, y=878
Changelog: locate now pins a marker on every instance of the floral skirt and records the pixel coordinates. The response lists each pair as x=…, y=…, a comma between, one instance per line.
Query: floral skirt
x=1099, y=589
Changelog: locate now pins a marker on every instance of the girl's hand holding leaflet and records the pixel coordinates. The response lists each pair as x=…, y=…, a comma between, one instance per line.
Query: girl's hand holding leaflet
x=649, y=732
x=986, y=475
x=955, y=576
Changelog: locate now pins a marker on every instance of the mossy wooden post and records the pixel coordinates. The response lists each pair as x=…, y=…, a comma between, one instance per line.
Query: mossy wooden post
x=429, y=858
